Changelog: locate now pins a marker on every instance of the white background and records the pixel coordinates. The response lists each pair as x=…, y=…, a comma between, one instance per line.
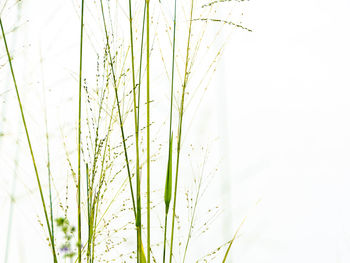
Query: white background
x=289, y=130
x=281, y=116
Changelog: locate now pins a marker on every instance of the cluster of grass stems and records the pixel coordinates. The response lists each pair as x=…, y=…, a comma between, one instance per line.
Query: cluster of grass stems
x=94, y=190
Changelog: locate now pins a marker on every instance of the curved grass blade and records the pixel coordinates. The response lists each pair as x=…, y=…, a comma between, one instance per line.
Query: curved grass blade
x=121, y=124
x=79, y=127
x=29, y=144
x=232, y=240
x=138, y=183
x=148, y=137
x=168, y=192
x=180, y=130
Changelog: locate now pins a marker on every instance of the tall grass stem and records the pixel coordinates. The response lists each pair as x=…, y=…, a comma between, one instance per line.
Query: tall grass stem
x=29, y=143
x=121, y=125
x=79, y=127
x=168, y=184
x=180, y=131
x=148, y=137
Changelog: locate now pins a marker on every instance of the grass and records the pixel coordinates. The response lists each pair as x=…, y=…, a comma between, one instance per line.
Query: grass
x=148, y=135
x=168, y=184
x=79, y=129
x=29, y=145
x=232, y=240
x=115, y=148
x=181, y=114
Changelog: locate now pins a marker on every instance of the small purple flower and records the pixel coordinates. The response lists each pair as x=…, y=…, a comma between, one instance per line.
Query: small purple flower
x=64, y=249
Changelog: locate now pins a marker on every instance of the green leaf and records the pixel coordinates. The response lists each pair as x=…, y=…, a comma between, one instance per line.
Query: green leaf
x=143, y=257
x=168, y=182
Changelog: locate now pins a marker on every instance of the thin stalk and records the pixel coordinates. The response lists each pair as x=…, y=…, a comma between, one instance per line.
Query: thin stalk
x=50, y=188
x=172, y=74
x=47, y=151
x=88, y=250
x=232, y=240
x=48, y=166
x=93, y=224
x=119, y=110
x=109, y=130
x=102, y=175
x=143, y=258
x=180, y=131
x=79, y=127
x=193, y=216
x=138, y=183
x=169, y=168
x=167, y=193
x=148, y=140
x=140, y=71
x=90, y=183
x=29, y=144
x=165, y=230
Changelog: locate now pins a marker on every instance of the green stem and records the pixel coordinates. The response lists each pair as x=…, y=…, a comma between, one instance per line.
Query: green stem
x=29, y=144
x=180, y=131
x=140, y=71
x=172, y=73
x=193, y=216
x=138, y=183
x=102, y=175
x=119, y=111
x=88, y=249
x=165, y=230
x=232, y=240
x=47, y=152
x=169, y=172
x=148, y=141
x=79, y=127
x=49, y=177
x=90, y=183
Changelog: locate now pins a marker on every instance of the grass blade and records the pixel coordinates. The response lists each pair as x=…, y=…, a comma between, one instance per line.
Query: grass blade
x=29, y=144
x=148, y=138
x=138, y=183
x=119, y=110
x=121, y=123
x=168, y=192
x=232, y=240
x=168, y=183
x=79, y=127
x=180, y=131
